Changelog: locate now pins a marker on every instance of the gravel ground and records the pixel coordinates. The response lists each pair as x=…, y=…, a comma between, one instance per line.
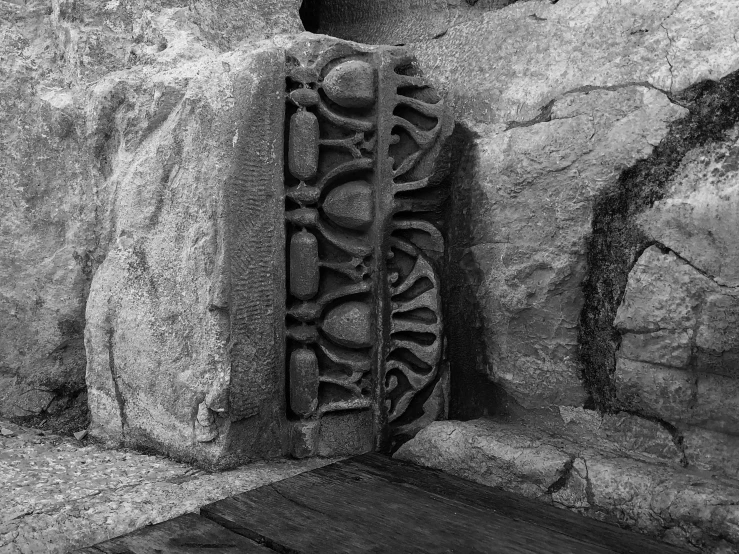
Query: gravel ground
x=59, y=493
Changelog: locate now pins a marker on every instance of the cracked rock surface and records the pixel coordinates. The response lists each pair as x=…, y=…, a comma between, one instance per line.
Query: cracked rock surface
x=559, y=100
x=59, y=494
x=397, y=21
x=596, y=478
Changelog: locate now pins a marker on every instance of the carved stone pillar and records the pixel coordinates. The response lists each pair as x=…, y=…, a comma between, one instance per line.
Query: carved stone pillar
x=364, y=200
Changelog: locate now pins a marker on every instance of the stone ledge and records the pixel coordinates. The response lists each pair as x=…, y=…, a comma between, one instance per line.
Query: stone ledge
x=686, y=507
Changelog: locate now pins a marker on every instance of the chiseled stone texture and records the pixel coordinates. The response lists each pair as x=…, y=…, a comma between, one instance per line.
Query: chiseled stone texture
x=60, y=494
x=680, y=506
x=559, y=99
x=55, y=158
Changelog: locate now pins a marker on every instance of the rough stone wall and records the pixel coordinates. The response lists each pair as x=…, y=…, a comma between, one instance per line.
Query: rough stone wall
x=103, y=104
x=84, y=86
x=574, y=93
x=678, y=354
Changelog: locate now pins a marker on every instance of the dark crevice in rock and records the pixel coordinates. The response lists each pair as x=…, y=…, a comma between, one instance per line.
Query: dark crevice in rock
x=545, y=112
x=472, y=393
x=616, y=242
x=564, y=477
x=116, y=387
x=645, y=84
x=104, y=141
x=589, y=493
x=667, y=250
x=545, y=115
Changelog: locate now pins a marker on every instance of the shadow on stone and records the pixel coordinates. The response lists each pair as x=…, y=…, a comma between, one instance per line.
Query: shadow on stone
x=472, y=393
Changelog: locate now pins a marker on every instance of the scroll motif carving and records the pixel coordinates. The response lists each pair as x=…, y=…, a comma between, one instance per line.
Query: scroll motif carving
x=414, y=372
x=363, y=204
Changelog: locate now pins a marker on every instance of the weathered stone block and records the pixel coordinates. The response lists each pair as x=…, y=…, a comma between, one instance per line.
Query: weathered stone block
x=586, y=476
x=183, y=352
x=703, y=399
x=636, y=434
x=711, y=450
x=664, y=347
x=488, y=452
x=674, y=315
x=717, y=403
x=346, y=434
x=528, y=208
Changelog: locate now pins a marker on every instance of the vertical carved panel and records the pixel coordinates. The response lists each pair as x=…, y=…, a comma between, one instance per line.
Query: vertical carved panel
x=363, y=314
x=415, y=125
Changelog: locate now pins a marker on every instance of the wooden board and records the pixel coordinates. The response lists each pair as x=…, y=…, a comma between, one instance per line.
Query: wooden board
x=186, y=534
x=372, y=504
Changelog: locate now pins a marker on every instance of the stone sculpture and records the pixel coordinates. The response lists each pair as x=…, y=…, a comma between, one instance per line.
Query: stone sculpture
x=364, y=324
x=321, y=332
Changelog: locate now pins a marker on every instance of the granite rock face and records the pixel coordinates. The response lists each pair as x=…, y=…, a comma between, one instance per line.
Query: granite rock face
x=558, y=100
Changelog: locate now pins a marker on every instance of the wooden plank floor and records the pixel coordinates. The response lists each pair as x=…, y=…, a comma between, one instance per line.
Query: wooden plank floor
x=371, y=504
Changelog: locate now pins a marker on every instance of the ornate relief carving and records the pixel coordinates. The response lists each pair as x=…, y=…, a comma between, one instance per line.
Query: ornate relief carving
x=362, y=209
x=414, y=372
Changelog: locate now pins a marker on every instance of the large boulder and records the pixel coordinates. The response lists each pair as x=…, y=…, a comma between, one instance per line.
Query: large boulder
x=558, y=100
